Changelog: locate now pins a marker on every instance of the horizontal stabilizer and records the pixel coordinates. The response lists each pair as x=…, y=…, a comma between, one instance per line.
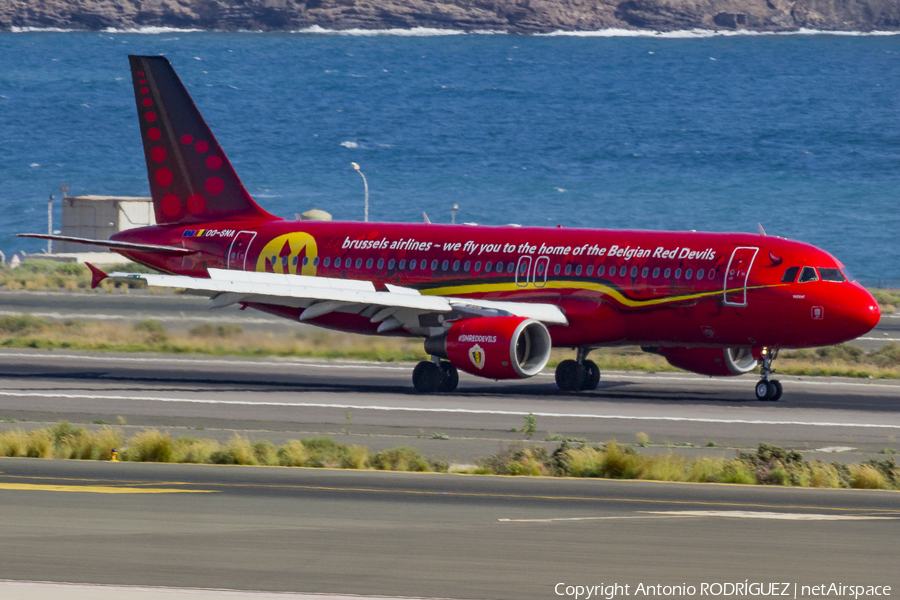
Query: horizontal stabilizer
x=110, y=243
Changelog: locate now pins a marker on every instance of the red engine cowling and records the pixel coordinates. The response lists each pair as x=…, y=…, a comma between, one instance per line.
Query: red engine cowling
x=718, y=362
x=494, y=347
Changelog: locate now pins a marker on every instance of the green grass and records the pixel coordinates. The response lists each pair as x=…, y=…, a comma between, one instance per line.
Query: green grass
x=769, y=465
x=36, y=274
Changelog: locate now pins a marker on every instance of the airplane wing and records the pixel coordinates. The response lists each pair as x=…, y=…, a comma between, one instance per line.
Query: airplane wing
x=110, y=243
x=394, y=308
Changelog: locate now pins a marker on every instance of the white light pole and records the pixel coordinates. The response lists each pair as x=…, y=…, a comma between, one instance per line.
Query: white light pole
x=50, y=224
x=365, y=185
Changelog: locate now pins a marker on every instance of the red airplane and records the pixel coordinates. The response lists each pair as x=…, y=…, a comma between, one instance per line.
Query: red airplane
x=491, y=301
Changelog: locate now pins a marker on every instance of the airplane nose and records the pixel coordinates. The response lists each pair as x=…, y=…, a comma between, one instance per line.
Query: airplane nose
x=867, y=314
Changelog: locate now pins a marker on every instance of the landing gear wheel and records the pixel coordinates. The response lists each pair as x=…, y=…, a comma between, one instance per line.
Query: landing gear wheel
x=450, y=377
x=570, y=376
x=778, y=390
x=427, y=377
x=762, y=390
x=592, y=375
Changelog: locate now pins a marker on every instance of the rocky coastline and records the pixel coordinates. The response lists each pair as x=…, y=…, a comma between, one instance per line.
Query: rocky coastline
x=513, y=16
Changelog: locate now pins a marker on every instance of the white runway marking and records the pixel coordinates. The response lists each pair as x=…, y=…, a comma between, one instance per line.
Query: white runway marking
x=746, y=514
x=299, y=362
x=431, y=409
x=40, y=590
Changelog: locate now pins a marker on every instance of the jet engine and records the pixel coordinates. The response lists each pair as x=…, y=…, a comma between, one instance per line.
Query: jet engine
x=494, y=347
x=718, y=362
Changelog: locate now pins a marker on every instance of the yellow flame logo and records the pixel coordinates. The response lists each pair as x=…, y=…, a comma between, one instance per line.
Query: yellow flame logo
x=286, y=254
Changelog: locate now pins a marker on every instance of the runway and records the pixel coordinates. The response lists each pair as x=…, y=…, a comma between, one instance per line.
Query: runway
x=375, y=404
x=444, y=536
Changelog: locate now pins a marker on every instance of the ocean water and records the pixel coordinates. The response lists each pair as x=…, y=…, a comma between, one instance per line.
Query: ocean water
x=800, y=133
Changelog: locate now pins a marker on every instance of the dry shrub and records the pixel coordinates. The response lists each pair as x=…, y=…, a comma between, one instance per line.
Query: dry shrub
x=293, y=454
x=867, y=477
x=13, y=443
x=237, y=451
x=149, y=445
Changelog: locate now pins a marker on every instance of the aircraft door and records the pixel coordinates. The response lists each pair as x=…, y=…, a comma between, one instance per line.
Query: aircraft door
x=736, y=275
x=541, y=266
x=522, y=271
x=236, y=258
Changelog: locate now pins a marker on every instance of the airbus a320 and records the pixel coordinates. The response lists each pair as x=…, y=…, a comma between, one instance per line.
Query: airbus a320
x=490, y=301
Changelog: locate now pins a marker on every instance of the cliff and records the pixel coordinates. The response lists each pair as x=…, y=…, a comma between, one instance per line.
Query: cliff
x=517, y=16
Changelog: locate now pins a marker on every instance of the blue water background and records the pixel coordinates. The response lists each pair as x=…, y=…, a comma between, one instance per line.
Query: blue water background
x=800, y=133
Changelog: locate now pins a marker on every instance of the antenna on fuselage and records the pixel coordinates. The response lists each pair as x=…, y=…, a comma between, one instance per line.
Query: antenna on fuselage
x=761, y=230
x=424, y=216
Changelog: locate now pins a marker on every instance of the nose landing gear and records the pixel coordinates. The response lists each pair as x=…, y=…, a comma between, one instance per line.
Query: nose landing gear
x=768, y=389
x=578, y=375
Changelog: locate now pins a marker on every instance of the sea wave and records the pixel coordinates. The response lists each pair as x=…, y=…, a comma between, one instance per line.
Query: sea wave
x=705, y=33
x=411, y=32
x=151, y=30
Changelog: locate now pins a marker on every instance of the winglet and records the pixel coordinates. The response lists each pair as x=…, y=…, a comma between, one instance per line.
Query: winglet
x=96, y=275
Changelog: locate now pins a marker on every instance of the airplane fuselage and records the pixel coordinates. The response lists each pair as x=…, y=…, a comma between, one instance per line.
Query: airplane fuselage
x=616, y=287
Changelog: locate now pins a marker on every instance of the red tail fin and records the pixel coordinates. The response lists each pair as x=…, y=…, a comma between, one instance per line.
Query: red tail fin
x=191, y=180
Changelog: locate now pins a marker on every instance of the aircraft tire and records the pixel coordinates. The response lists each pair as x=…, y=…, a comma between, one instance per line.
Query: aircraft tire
x=427, y=377
x=762, y=390
x=569, y=376
x=775, y=396
x=450, y=377
x=591, y=375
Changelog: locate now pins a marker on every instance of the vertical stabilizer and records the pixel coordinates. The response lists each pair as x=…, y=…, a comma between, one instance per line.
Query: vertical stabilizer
x=191, y=179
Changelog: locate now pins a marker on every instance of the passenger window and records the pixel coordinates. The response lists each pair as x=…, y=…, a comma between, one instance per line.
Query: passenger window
x=578, y=270
x=699, y=274
x=633, y=272
x=622, y=271
x=403, y=264
x=445, y=265
x=510, y=267
x=466, y=266
x=645, y=271
x=808, y=274
x=655, y=272
x=831, y=275
x=369, y=263
x=327, y=261
x=456, y=265
x=487, y=267
x=568, y=269
x=316, y=261
x=434, y=265
x=688, y=273
x=590, y=270
x=380, y=263
x=337, y=262
x=790, y=274
x=358, y=263
x=667, y=273
x=678, y=273
x=477, y=265
x=601, y=270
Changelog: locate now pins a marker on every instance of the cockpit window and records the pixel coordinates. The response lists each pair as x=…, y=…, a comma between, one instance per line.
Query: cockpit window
x=790, y=274
x=848, y=275
x=808, y=274
x=831, y=274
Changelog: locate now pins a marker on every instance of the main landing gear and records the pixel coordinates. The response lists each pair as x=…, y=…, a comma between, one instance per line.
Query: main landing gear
x=578, y=375
x=434, y=376
x=768, y=389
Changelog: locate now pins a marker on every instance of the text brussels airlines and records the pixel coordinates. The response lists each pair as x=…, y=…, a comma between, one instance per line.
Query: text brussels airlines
x=744, y=588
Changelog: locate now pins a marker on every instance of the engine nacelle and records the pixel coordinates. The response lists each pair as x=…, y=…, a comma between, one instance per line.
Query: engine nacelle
x=494, y=347
x=718, y=362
